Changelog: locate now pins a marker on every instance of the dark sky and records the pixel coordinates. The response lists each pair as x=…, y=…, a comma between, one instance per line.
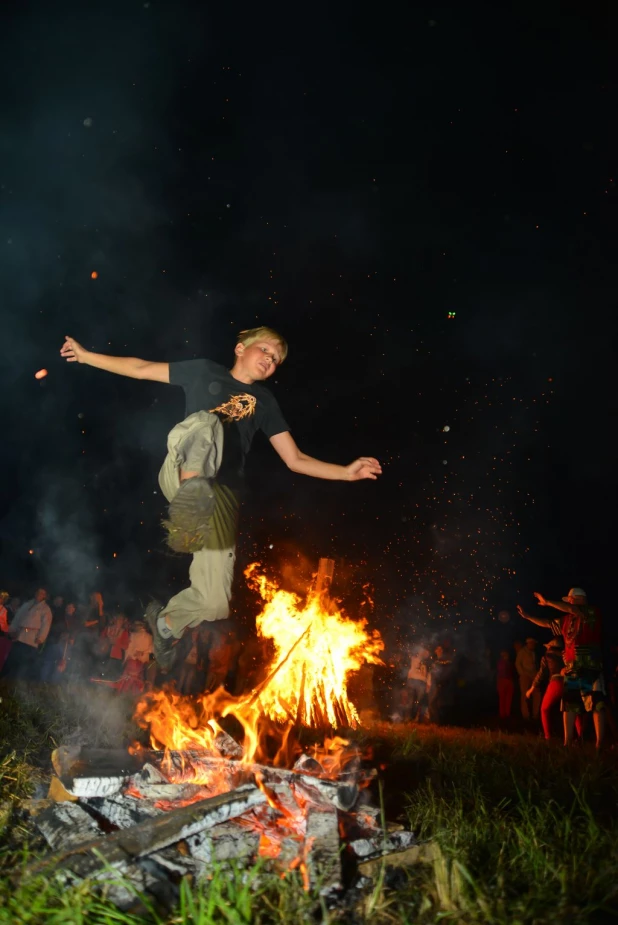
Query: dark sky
x=349, y=179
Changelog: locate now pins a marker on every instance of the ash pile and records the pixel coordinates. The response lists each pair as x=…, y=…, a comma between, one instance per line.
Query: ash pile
x=139, y=823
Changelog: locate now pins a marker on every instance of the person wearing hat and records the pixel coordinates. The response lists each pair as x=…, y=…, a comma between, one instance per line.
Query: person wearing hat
x=550, y=673
x=584, y=688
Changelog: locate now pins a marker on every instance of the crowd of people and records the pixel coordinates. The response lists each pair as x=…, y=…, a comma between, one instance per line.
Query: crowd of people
x=437, y=684
x=56, y=641
x=65, y=641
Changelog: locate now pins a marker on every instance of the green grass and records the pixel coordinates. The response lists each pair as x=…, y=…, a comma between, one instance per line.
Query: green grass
x=524, y=832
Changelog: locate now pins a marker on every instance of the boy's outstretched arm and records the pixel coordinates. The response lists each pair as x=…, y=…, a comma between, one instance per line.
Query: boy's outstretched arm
x=366, y=467
x=132, y=367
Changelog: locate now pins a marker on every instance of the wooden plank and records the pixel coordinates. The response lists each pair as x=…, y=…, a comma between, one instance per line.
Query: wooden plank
x=120, y=847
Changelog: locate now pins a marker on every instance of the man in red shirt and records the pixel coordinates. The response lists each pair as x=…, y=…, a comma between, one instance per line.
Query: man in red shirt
x=584, y=687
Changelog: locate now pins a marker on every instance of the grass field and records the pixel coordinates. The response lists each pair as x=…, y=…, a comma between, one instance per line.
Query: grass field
x=525, y=832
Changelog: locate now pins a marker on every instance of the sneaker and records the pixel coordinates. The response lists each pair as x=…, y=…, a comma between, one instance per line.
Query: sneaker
x=164, y=648
x=190, y=515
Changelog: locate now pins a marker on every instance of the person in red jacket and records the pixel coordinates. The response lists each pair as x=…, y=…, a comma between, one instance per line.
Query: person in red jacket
x=584, y=687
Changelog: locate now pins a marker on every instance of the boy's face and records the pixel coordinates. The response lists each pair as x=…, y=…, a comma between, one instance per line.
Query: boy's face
x=259, y=360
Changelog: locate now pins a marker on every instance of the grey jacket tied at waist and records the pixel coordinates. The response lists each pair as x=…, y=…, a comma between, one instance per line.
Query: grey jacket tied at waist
x=201, y=437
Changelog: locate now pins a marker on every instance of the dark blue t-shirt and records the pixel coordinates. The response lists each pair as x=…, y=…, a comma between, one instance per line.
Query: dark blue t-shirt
x=243, y=409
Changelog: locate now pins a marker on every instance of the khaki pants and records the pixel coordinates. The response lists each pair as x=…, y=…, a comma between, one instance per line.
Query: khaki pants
x=529, y=708
x=196, y=444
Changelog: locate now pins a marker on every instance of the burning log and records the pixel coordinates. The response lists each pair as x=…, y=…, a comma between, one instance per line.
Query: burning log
x=93, y=772
x=124, y=846
x=66, y=824
x=225, y=842
x=315, y=789
x=123, y=811
x=73, y=760
x=324, y=848
x=324, y=579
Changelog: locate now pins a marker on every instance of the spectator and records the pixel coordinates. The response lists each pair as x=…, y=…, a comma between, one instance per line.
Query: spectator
x=250, y=664
x=584, y=686
x=235, y=647
x=361, y=692
x=505, y=682
x=219, y=656
x=28, y=631
x=58, y=640
x=5, y=642
x=57, y=607
x=440, y=685
x=527, y=667
x=136, y=658
x=68, y=639
x=95, y=612
x=190, y=678
x=550, y=673
x=115, y=640
x=417, y=682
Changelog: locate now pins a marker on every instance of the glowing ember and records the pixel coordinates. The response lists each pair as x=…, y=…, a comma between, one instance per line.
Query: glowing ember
x=40, y=374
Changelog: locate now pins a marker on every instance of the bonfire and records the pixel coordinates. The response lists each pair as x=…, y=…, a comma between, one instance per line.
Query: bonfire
x=199, y=795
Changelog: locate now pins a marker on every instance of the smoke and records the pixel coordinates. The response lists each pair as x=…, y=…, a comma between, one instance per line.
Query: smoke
x=85, y=166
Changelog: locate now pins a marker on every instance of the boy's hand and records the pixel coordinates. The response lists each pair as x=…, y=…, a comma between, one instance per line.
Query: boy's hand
x=73, y=351
x=540, y=599
x=365, y=467
x=522, y=612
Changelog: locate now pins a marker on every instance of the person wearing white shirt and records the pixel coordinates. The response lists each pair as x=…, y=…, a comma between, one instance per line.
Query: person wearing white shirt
x=417, y=681
x=28, y=630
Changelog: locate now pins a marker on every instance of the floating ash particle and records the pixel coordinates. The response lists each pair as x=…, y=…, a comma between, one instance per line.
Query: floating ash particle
x=446, y=429
x=40, y=374
x=88, y=122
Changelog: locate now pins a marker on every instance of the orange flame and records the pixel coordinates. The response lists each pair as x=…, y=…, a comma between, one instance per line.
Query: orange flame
x=316, y=646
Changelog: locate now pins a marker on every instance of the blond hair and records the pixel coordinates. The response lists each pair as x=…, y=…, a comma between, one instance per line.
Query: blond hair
x=252, y=335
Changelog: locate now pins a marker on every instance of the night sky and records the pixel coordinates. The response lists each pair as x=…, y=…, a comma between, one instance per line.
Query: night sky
x=352, y=180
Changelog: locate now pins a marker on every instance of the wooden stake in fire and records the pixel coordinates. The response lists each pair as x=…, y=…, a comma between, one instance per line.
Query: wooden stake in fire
x=324, y=579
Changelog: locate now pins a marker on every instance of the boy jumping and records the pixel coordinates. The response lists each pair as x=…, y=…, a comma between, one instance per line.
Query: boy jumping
x=203, y=471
